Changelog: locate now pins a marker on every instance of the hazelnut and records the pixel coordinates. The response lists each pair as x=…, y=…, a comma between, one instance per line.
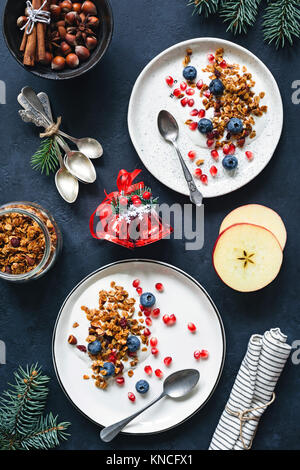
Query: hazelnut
x=71, y=17
x=89, y=8
x=93, y=21
x=58, y=63
x=55, y=11
x=72, y=340
x=66, y=6
x=65, y=48
x=72, y=60
x=91, y=42
x=21, y=21
x=82, y=52
x=77, y=7
x=71, y=39
x=48, y=59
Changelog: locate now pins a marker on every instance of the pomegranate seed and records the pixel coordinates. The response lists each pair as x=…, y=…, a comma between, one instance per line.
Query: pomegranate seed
x=131, y=396
x=198, y=172
x=197, y=354
x=210, y=142
x=147, y=312
x=213, y=170
x=156, y=312
x=201, y=113
x=81, y=348
x=146, y=332
x=177, y=92
x=192, y=154
x=210, y=58
x=159, y=287
x=148, y=321
x=139, y=290
x=159, y=373
x=172, y=319
x=215, y=154
x=190, y=91
x=204, y=354
x=223, y=64
x=192, y=327
x=226, y=148
x=167, y=360
x=183, y=86
x=231, y=149
x=210, y=135
x=169, y=80
x=184, y=102
x=153, y=341
x=194, y=112
x=249, y=155
x=206, y=93
x=154, y=351
x=191, y=102
x=112, y=358
x=199, y=84
x=193, y=126
x=203, y=179
x=120, y=380
x=136, y=283
x=166, y=319
x=142, y=308
x=148, y=370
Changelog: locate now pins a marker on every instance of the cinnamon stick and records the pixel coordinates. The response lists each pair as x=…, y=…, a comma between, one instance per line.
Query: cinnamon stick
x=24, y=40
x=40, y=31
x=30, y=50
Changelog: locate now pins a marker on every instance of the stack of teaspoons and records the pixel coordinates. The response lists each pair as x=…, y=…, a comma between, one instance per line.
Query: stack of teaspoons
x=76, y=165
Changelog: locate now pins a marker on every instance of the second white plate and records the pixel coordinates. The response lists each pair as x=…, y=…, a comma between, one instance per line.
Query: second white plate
x=150, y=94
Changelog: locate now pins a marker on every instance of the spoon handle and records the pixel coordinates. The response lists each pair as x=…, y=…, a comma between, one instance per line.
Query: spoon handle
x=107, y=434
x=195, y=195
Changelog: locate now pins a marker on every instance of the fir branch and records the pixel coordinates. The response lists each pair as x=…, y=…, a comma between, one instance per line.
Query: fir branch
x=240, y=14
x=45, y=158
x=22, y=425
x=204, y=7
x=281, y=22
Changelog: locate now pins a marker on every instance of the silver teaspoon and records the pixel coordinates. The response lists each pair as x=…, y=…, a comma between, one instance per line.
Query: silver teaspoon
x=90, y=147
x=169, y=130
x=175, y=385
x=76, y=163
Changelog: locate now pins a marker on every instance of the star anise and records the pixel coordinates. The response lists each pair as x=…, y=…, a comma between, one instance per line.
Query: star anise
x=84, y=27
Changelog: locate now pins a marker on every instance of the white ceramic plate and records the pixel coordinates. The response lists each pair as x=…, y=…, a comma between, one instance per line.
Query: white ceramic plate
x=150, y=94
x=184, y=297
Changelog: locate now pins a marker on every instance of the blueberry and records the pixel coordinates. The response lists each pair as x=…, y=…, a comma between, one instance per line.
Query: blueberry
x=142, y=386
x=147, y=299
x=109, y=367
x=189, y=73
x=94, y=347
x=230, y=162
x=133, y=343
x=235, y=126
x=205, y=126
x=216, y=87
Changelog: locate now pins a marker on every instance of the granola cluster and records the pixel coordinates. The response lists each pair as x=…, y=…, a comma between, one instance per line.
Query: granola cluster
x=111, y=324
x=22, y=243
x=237, y=101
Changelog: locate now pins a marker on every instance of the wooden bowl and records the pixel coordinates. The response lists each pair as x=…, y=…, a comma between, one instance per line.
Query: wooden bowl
x=13, y=37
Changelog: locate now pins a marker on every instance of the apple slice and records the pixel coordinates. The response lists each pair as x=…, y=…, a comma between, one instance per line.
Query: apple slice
x=247, y=257
x=258, y=215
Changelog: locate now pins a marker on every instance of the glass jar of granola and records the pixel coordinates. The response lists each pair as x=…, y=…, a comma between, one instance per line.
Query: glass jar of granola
x=30, y=241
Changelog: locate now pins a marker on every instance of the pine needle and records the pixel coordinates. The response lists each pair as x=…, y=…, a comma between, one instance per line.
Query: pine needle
x=204, y=7
x=45, y=158
x=281, y=22
x=240, y=14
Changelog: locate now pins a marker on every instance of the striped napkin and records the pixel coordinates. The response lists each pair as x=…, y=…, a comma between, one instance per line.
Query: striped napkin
x=252, y=392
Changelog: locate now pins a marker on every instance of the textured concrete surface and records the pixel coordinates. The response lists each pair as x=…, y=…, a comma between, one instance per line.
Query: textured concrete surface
x=96, y=105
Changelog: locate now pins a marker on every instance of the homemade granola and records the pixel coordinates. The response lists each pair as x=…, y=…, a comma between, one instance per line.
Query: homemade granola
x=111, y=325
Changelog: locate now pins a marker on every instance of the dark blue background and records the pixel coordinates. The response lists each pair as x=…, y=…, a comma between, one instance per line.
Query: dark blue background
x=96, y=105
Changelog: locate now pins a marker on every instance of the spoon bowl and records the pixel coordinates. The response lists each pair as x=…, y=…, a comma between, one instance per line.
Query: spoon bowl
x=167, y=126
x=180, y=383
x=67, y=185
x=90, y=147
x=80, y=166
